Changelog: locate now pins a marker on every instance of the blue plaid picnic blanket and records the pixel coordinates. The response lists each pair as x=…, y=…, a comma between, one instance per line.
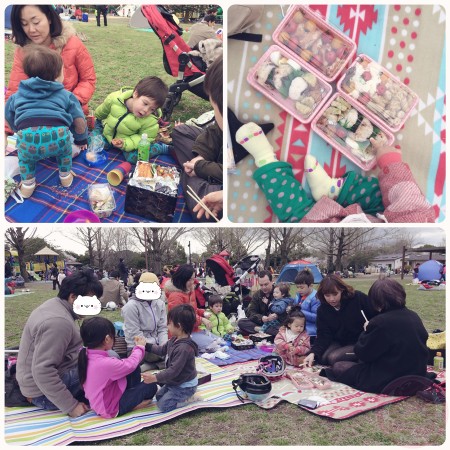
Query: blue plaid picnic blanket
x=52, y=202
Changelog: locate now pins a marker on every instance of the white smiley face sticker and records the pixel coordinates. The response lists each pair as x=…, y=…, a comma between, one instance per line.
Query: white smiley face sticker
x=148, y=291
x=87, y=306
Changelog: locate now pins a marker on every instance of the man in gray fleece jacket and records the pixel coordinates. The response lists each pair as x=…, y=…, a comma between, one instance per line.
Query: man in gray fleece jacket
x=47, y=363
x=145, y=314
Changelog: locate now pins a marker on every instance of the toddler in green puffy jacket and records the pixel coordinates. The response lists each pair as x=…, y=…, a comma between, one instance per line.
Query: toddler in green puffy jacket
x=220, y=323
x=128, y=113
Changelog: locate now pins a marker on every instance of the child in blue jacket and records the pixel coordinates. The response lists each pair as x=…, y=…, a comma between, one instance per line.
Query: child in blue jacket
x=307, y=301
x=279, y=306
x=43, y=114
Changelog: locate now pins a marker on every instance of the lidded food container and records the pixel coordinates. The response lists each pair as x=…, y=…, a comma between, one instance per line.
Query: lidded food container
x=348, y=129
x=371, y=87
x=321, y=47
x=287, y=82
x=101, y=199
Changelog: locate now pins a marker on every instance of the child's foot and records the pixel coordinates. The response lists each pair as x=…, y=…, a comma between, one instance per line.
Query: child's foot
x=253, y=139
x=27, y=190
x=158, y=148
x=320, y=183
x=143, y=404
x=66, y=180
x=193, y=399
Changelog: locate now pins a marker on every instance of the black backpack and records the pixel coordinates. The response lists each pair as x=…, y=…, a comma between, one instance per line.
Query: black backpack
x=13, y=396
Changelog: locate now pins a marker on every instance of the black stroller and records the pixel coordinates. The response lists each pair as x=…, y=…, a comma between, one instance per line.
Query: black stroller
x=233, y=276
x=189, y=71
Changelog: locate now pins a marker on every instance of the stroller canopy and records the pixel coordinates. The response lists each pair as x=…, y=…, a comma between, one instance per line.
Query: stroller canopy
x=290, y=271
x=223, y=272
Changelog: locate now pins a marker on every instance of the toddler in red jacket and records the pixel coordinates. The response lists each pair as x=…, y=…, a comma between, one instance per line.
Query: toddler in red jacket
x=292, y=341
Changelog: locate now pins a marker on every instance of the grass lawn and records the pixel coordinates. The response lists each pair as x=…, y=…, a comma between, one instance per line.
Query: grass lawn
x=122, y=56
x=410, y=422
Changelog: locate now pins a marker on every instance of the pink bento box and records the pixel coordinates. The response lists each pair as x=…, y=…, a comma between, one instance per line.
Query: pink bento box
x=373, y=89
x=322, y=48
x=285, y=81
x=347, y=128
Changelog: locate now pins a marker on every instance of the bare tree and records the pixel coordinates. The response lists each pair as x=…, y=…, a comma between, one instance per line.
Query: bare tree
x=17, y=238
x=156, y=242
x=287, y=240
x=239, y=242
x=338, y=243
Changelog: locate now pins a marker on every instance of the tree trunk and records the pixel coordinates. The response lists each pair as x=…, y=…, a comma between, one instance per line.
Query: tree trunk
x=268, y=249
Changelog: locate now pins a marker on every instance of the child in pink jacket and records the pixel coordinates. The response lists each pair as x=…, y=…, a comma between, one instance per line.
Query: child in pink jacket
x=292, y=341
x=112, y=385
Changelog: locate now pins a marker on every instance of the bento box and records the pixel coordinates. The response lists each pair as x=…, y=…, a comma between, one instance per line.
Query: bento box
x=285, y=80
x=152, y=192
x=348, y=129
x=371, y=87
x=323, y=49
x=101, y=199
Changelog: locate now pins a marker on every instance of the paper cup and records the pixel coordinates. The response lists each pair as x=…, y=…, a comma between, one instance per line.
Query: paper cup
x=116, y=176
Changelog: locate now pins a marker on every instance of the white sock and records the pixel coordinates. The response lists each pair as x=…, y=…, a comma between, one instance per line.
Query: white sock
x=320, y=183
x=253, y=139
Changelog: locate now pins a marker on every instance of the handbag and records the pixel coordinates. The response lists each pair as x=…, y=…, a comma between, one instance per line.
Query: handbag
x=242, y=17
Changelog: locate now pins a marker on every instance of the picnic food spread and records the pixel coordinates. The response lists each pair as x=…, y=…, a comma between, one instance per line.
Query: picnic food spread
x=101, y=199
x=156, y=178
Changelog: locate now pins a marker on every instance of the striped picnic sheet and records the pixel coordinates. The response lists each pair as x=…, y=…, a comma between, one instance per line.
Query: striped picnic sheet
x=32, y=426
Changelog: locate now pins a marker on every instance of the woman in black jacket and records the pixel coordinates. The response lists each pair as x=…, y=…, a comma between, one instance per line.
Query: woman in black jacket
x=393, y=343
x=340, y=320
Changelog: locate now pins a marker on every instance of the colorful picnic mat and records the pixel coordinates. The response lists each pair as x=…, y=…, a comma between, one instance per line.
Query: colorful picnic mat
x=51, y=202
x=32, y=426
x=408, y=40
x=339, y=402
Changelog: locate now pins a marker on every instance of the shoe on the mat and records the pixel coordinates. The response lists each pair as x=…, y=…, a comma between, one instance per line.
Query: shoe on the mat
x=66, y=180
x=27, y=189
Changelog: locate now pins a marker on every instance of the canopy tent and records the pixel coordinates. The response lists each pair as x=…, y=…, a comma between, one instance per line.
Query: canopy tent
x=290, y=271
x=430, y=270
x=46, y=255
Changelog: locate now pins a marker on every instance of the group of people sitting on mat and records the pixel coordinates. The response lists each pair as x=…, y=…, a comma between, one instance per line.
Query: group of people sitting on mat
x=47, y=103
x=364, y=341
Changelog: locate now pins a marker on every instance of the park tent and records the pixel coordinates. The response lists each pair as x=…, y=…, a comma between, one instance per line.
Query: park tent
x=290, y=271
x=430, y=270
x=8, y=10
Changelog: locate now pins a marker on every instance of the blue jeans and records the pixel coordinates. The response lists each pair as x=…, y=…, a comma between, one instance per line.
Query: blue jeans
x=72, y=382
x=169, y=397
x=136, y=392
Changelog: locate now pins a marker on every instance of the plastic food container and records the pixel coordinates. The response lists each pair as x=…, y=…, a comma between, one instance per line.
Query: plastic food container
x=101, y=199
x=324, y=49
x=287, y=82
x=347, y=128
x=371, y=87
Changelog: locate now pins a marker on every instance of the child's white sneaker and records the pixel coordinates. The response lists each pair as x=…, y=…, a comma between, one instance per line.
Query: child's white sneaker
x=66, y=180
x=27, y=190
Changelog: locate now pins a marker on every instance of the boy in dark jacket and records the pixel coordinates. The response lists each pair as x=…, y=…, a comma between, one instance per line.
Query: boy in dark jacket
x=179, y=379
x=200, y=152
